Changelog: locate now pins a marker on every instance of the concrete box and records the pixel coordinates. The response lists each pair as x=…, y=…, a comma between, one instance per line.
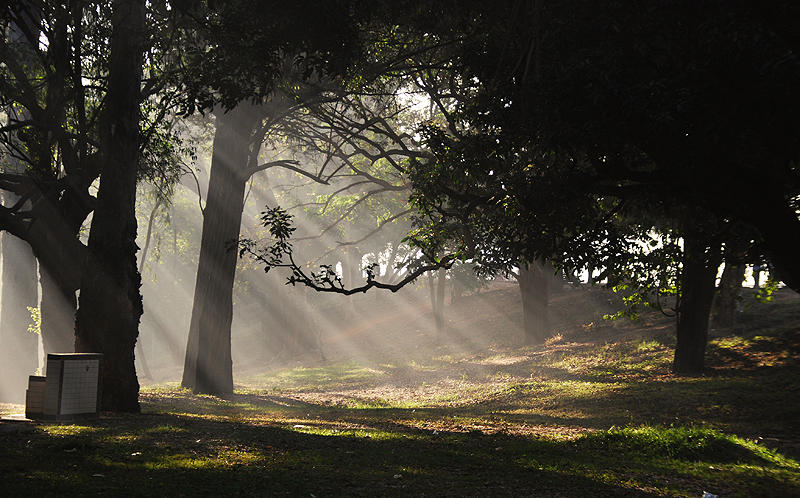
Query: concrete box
x=34, y=397
x=71, y=388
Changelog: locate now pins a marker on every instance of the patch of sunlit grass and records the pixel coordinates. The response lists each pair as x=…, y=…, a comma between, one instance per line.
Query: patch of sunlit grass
x=165, y=429
x=685, y=443
x=121, y=438
x=646, y=345
x=182, y=461
x=333, y=431
x=69, y=430
x=11, y=409
x=727, y=464
x=605, y=362
x=309, y=378
x=380, y=404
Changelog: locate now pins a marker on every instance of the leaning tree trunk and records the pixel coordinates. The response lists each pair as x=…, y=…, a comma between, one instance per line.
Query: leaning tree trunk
x=208, y=365
x=110, y=302
x=534, y=290
x=19, y=349
x=697, y=285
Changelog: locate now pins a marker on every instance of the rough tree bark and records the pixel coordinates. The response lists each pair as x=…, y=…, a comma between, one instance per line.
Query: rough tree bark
x=207, y=366
x=701, y=259
x=534, y=290
x=110, y=303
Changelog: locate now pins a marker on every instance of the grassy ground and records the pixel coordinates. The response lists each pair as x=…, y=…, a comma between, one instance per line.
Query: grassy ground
x=594, y=412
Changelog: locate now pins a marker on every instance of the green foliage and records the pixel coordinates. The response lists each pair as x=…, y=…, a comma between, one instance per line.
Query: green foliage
x=35, y=327
x=561, y=130
x=766, y=292
x=279, y=225
x=222, y=67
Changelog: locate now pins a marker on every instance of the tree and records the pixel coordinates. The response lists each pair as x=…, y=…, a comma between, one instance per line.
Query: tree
x=52, y=187
x=534, y=283
x=208, y=367
x=110, y=303
x=294, y=58
x=611, y=107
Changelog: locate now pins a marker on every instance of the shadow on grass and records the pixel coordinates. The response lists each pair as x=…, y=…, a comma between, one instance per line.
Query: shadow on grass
x=751, y=403
x=165, y=454
x=201, y=457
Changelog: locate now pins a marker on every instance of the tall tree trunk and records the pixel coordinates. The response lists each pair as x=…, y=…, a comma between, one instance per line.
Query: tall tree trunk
x=208, y=366
x=727, y=303
x=436, y=282
x=110, y=302
x=19, y=349
x=701, y=260
x=534, y=290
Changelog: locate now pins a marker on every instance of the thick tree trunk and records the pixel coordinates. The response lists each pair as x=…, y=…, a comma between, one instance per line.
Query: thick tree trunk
x=19, y=349
x=727, y=303
x=534, y=290
x=208, y=365
x=697, y=285
x=110, y=302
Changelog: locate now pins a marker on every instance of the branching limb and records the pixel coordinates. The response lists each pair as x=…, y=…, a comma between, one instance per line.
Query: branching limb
x=280, y=255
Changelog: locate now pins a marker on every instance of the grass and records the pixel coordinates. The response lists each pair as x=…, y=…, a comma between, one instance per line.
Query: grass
x=594, y=413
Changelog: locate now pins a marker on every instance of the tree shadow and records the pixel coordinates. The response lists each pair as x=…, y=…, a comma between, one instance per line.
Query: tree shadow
x=178, y=454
